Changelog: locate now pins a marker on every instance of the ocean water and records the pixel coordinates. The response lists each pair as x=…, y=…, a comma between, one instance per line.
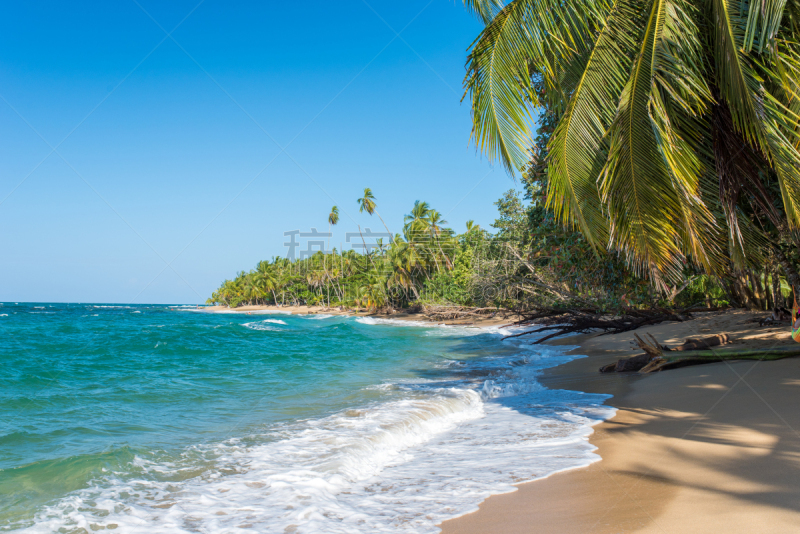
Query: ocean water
x=158, y=419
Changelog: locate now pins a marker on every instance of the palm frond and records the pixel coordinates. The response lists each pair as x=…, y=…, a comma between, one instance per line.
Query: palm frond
x=737, y=80
x=738, y=172
x=757, y=114
x=763, y=21
x=679, y=102
x=486, y=10
x=644, y=208
x=577, y=151
x=526, y=36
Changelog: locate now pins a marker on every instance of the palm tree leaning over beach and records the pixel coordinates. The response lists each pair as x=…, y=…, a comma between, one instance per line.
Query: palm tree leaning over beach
x=676, y=117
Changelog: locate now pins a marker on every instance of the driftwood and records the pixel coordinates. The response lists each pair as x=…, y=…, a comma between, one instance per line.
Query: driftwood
x=626, y=365
x=652, y=351
x=779, y=316
x=697, y=357
x=660, y=358
x=703, y=343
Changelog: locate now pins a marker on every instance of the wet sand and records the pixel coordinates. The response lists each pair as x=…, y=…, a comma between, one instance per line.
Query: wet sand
x=711, y=448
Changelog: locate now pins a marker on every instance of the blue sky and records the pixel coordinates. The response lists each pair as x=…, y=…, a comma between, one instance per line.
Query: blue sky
x=142, y=167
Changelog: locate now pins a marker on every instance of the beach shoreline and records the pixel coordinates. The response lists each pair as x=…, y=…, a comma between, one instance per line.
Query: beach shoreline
x=500, y=319
x=708, y=448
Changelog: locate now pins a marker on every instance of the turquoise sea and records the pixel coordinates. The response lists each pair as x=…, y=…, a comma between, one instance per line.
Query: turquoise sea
x=149, y=418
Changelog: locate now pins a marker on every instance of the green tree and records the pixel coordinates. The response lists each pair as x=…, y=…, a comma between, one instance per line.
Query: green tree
x=672, y=114
x=367, y=203
x=333, y=220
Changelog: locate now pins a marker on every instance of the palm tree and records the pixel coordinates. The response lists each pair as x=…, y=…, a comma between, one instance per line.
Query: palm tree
x=417, y=222
x=367, y=203
x=265, y=280
x=333, y=220
x=472, y=226
x=373, y=292
x=671, y=114
x=435, y=220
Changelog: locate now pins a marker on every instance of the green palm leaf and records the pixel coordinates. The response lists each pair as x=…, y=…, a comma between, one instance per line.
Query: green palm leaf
x=526, y=36
x=577, y=150
x=643, y=205
x=758, y=114
x=486, y=10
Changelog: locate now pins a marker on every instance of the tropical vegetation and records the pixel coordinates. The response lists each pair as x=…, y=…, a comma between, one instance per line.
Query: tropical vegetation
x=675, y=126
x=410, y=265
x=529, y=261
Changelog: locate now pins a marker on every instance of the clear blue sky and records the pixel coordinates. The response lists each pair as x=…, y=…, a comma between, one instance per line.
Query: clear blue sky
x=179, y=162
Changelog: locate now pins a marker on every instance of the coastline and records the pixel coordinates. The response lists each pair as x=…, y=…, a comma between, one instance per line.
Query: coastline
x=706, y=448
x=709, y=448
x=569, y=449
x=392, y=429
x=322, y=310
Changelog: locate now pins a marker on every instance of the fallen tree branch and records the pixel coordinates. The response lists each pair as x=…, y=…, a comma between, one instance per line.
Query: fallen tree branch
x=572, y=321
x=559, y=292
x=697, y=357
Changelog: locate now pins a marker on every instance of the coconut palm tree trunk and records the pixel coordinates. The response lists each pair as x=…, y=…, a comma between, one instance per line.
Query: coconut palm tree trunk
x=384, y=225
x=366, y=250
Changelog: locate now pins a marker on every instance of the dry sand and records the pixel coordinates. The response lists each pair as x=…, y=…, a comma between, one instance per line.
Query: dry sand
x=707, y=449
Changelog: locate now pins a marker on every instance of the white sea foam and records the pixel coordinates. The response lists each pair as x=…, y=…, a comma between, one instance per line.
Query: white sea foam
x=428, y=452
x=394, y=322
x=436, y=329
x=234, y=311
x=264, y=325
x=320, y=316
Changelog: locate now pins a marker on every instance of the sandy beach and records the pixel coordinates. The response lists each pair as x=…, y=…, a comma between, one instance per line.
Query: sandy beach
x=709, y=448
